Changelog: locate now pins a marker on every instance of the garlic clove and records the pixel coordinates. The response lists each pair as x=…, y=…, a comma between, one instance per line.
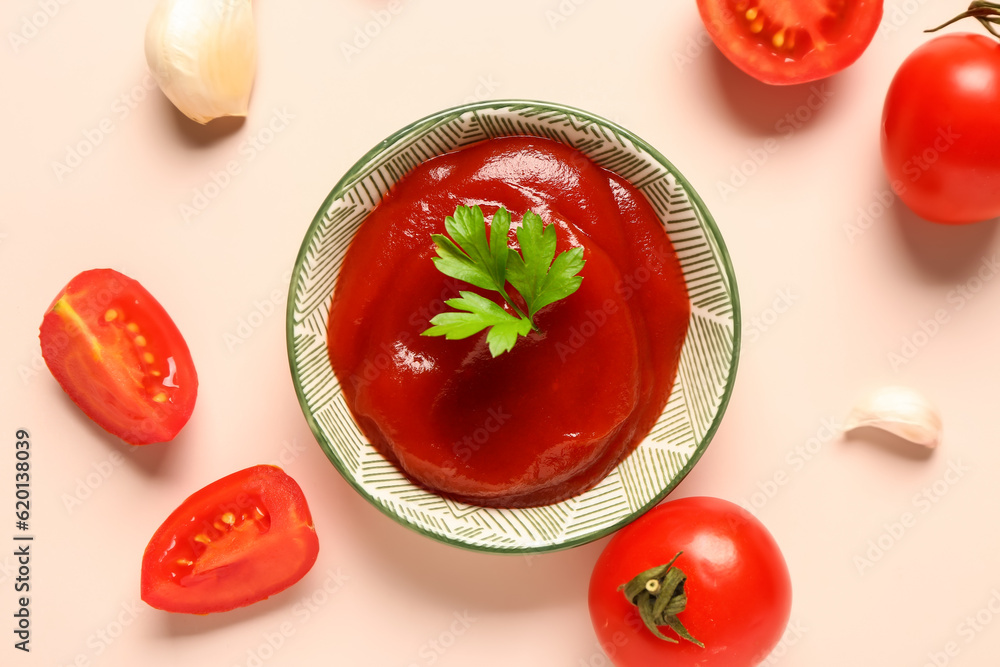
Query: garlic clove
x=203, y=55
x=901, y=411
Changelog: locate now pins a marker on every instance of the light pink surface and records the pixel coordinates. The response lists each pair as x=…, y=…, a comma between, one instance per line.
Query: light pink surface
x=823, y=306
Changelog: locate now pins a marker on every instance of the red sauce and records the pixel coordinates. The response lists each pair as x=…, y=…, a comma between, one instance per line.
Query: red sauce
x=552, y=417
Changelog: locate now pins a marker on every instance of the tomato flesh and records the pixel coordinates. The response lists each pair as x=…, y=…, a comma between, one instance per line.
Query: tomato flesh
x=786, y=42
x=941, y=132
x=738, y=587
x=237, y=541
x=116, y=352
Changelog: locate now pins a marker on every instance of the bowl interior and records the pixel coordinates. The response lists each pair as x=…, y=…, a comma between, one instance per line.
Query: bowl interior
x=700, y=392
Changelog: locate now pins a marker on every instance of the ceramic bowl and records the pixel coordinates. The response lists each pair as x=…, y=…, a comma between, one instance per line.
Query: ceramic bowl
x=701, y=389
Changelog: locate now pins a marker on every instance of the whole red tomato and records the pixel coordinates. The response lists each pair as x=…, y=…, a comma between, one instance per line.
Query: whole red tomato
x=738, y=590
x=941, y=129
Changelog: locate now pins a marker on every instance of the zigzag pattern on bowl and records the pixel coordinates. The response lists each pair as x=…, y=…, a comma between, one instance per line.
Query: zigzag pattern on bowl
x=655, y=466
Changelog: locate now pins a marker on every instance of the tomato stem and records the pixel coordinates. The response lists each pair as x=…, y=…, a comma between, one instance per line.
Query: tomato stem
x=987, y=13
x=659, y=595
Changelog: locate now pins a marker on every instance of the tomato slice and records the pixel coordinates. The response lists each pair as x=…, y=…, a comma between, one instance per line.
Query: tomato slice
x=120, y=357
x=791, y=41
x=237, y=541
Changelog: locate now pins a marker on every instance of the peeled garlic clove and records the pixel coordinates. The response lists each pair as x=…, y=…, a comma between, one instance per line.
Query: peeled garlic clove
x=203, y=55
x=900, y=411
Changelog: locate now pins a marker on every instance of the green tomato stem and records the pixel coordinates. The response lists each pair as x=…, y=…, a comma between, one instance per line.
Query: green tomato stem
x=659, y=595
x=987, y=13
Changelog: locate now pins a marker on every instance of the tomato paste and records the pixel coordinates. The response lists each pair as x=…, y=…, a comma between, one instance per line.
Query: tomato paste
x=552, y=417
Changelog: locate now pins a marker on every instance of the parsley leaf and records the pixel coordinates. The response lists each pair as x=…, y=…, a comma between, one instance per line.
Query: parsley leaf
x=535, y=276
x=479, y=313
x=474, y=259
x=536, y=273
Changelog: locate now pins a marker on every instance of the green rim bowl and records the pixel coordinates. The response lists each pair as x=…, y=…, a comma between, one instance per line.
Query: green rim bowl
x=708, y=358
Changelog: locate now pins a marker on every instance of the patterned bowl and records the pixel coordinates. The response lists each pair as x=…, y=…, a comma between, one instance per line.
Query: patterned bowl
x=699, y=395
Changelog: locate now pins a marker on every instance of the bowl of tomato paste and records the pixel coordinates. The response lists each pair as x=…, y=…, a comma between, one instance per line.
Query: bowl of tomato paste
x=564, y=377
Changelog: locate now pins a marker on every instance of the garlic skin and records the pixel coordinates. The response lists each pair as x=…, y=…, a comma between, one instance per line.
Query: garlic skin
x=901, y=411
x=203, y=55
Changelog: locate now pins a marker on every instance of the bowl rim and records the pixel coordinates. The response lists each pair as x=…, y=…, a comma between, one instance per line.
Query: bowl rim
x=712, y=234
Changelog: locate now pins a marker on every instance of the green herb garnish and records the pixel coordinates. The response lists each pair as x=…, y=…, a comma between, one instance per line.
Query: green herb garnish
x=539, y=277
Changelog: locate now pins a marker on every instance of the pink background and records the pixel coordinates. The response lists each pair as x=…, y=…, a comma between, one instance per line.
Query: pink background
x=827, y=296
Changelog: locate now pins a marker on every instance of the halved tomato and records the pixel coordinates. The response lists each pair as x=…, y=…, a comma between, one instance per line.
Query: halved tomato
x=791, y=41
x=237, y=541
x=120, y=357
